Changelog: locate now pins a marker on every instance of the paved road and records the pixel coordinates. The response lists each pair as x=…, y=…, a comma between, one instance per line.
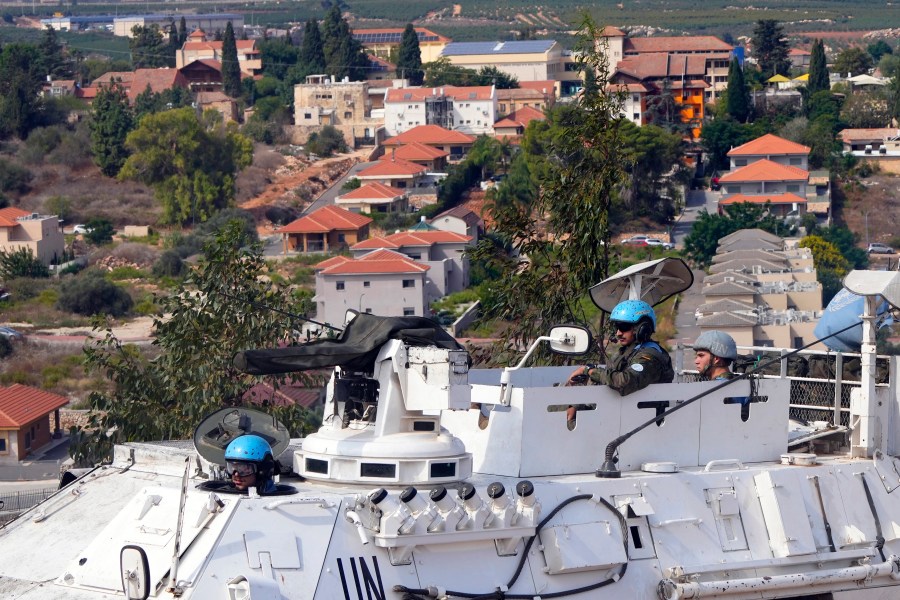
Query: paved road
x=329, y=195
x=696, y=201
x=43, y=468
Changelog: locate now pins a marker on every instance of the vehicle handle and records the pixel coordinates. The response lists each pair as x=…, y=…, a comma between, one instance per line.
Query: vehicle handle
x=723, y=462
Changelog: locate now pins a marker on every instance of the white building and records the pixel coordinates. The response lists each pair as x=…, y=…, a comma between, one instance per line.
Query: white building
x=471, y=110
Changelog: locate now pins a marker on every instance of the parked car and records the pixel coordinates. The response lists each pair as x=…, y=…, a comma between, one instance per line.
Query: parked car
x=879, y=248
x=635, y=240
x=659, y=242
x=81, y=229
x=11, y=334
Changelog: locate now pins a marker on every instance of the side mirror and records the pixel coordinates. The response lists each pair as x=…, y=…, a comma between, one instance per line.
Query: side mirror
x=569, y=339
x=135, y=571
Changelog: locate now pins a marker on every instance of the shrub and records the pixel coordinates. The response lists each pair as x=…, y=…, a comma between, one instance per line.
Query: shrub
x=351, y=184
x=92, y=293
x=41, y=142
x=13, y=178
x=127, y=272
x=25, y=288
x=5, y=347
x=21, y=263
x=59, y=206
x=139, y=254
x=100, y=231
x=281, y=215
x=169, y=265
x=326, y=142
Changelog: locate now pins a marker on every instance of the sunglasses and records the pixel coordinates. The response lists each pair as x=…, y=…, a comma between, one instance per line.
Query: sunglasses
x=623, y=327
x=240, y=468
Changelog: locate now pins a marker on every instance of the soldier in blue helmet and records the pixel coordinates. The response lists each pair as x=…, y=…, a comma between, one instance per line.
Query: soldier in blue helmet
x=639, y=360
x=249, y=463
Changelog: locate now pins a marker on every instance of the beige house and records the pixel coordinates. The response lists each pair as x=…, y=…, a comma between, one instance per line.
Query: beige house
x=25, y=423
x=374, y=198
x=509, y=101
x=346, y=105
x=41, y=234
x=327, y=229
x=384, y=43
x=199, y=47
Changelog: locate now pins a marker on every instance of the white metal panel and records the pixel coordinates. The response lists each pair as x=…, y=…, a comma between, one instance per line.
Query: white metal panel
x=583, y=547
x=859, y=527
x=763, y=437
x=785, y=513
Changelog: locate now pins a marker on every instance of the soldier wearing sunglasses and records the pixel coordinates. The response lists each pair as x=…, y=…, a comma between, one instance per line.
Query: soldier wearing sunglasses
x=250, y=464
x=639, y=360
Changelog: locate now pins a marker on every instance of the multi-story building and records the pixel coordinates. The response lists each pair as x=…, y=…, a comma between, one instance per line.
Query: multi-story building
x=39, y=234
x=509, y=101
x=761, y=297
x=770, y=147
x=470, y=110
x=384, y=43
x=328, y=229
x=139, y=81
x=346, y=105
x=374, y=198
x=678, y=75
x=212, y=23
x=531, y=60
x=199, y=46
x=455, y=143
x=514, y=125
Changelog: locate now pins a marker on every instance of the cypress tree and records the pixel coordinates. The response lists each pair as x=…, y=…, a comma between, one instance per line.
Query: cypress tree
x=818, y=71
x=231, y=68
x=738, y=96
x=173, y=46
x=312, y=54
x=409, y=59
x=182, y=32
x=112, y=121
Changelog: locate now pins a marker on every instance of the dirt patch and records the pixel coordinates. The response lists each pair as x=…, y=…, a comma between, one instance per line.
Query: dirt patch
x=876, y=196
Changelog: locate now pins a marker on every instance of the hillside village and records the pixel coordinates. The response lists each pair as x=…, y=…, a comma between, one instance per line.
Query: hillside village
x=430, y=158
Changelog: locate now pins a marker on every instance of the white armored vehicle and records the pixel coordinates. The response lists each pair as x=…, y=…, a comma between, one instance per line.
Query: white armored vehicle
x=431, y=480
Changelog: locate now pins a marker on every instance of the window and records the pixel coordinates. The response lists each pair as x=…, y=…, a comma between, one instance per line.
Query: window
x=796, y=160
x=348, y=114
x=636, y=116
x=409, y=283
x=307, y=115
x=367, y=283
x=635, y=98
x=740, y=162
x=415, y=256
x=793, y=187
x=3, y=444
x=342, y=238
x=339, y=285
x=409, y=311
x=732, y=189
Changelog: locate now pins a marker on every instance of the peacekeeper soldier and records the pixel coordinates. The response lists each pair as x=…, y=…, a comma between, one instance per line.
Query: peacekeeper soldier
x=714, y=352
x=249, y=463
x=639, y=360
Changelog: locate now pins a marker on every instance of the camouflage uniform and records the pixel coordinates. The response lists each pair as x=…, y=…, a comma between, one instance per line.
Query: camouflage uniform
x=634, y=367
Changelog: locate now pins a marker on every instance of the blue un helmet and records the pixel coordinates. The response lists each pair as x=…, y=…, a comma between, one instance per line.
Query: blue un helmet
x=632, y=311
x=249, y=448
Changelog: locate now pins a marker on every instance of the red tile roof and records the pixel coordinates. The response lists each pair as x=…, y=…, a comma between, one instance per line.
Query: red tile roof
x=9, y=215
x=769, y=144
x=158, y=80
x=663, y=44
x=610, y=31
x=125, y=78
x=765, y=170
x=379, y=261
x=480, y=92
x=522, y=94
x=392, y=168
x=412, y=238
x=545, y=86
x=799, y=52
x=245, y=45
x=430, y=135
x=763, y=198
x=415, y=151
x=658, y=65
x=628, y=87
x=521, y=118
x=874, y=133
x=22, y=404
x=325, y=219
x=373, y=191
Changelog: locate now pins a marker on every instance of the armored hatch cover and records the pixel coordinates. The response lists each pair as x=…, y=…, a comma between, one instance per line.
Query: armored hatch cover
x=216, y=431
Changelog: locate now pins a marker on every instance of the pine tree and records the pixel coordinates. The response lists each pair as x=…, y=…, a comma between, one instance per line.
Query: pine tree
x=231, y=68
x=312, y=54
x=409, y=59
x=111, y=120
x=770, y=48
x=53, y=61
x=344, y=54
x=738, y=96
x=818, y=71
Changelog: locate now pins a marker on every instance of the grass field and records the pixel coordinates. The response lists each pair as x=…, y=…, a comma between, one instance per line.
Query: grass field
x=489, y=19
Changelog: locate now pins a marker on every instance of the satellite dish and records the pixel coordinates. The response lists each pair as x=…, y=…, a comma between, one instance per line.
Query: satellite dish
x=216, y=431
x=653, y=282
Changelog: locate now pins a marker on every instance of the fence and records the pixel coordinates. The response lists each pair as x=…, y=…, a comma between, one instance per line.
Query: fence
x=12, y=504
x=812, y=398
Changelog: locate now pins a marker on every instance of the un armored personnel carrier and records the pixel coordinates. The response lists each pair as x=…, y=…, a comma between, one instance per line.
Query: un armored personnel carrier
x=429, y=479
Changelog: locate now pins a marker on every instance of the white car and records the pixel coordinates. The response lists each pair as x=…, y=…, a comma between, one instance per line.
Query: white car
x=879, y=248
x=81, y=229
x=659, y=242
